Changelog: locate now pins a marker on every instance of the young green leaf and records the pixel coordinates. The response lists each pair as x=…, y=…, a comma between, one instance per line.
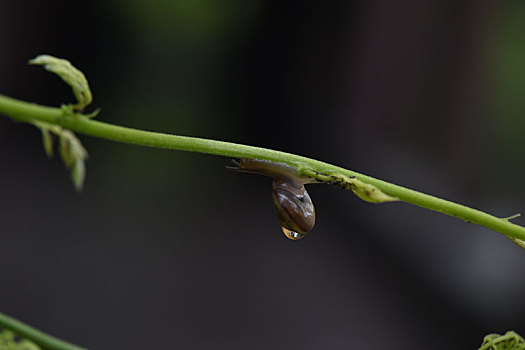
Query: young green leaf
x=78, y=174
x=74, y=156
x=365, y=191
x=509, y=341
x=47, y=142
x=70, y=75
x=71, y=150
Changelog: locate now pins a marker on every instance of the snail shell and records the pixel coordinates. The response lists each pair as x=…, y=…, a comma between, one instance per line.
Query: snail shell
x=292, y=203
x=293, y=206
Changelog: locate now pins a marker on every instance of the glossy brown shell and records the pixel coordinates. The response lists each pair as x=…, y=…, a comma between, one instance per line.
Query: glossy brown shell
x=293, y=206
x=292, y=203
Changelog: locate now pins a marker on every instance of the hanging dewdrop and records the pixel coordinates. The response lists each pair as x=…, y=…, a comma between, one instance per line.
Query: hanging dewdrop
x=292, y=203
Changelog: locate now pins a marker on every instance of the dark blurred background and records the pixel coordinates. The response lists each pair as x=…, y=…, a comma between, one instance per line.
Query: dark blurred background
x=166, y=249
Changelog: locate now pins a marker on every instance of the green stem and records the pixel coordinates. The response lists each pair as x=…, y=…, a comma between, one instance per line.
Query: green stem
x=27, y=112
x=45, y=341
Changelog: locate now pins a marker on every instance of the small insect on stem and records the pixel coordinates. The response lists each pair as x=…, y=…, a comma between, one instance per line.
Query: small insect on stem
x=292, y=204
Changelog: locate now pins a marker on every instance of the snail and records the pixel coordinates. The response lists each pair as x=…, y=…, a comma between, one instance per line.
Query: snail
x=292, y=204
x=294, y=208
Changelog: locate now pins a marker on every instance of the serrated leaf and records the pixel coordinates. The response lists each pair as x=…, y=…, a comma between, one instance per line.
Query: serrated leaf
x=70, y=75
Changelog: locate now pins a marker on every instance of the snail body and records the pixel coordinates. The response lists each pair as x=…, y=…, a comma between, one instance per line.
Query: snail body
x=291, y=201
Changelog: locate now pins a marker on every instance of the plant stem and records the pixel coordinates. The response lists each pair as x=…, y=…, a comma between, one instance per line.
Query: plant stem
x=27, y=112
x=45, y=341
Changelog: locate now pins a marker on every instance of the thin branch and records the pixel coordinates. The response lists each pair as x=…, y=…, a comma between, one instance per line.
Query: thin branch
x=40, y=338
x=324, y=172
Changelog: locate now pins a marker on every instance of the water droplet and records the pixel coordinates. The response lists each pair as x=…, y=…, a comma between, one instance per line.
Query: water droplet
x=292, y=234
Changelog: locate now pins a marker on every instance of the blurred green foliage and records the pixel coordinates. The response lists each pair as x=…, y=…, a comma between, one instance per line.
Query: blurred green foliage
x=192, y=21
x=508, y=52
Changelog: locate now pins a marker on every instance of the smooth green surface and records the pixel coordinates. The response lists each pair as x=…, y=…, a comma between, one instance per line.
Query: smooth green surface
x=27, y=112
x=45, y=341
